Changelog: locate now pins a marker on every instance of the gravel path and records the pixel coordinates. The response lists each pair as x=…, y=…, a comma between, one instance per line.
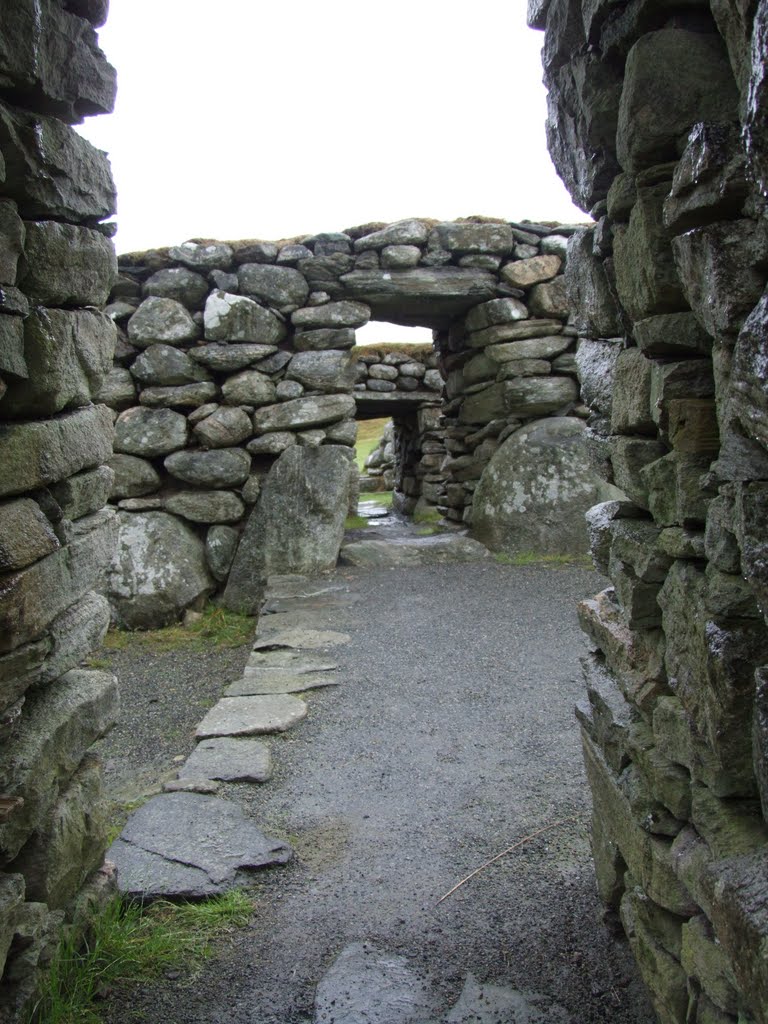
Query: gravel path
x=451, y=737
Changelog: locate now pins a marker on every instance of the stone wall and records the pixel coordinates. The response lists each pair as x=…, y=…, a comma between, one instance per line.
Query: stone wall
x=657, y=115
x=232, y=354
x=56, y=538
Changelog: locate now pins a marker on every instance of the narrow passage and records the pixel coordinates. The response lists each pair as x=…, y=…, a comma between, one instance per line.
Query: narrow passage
x=450, y=736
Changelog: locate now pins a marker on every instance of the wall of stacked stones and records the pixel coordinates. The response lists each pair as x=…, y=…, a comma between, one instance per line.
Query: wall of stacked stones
x=231, y=354
x=657, y=118
x=56, y=267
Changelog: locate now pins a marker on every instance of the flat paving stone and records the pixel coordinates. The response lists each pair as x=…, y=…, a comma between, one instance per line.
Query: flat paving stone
x=187, y=846
x=293, y=661
x=246, y=716
x=406, y=552
x=302, y=639
x=229, y=760
x=502, y=1004
x=264, y=682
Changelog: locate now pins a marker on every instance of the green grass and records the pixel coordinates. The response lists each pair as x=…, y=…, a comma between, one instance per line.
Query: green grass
x=355, y=522
x=216, y=628
x=128, y=944
x=368, y=436
x=537, y=558
x=427, y=517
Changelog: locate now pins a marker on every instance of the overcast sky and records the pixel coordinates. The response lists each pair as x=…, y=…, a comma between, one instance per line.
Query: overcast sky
x=248, y=119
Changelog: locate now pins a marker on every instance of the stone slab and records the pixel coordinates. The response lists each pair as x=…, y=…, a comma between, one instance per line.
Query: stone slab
x=246, y=716
x=229, y=760
x=410, y=551
x=307, y=639
x=288, y=660
x=261, y=682
x=187, y=845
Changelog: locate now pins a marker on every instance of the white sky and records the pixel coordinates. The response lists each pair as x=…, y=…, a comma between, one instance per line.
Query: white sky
x=248, y=119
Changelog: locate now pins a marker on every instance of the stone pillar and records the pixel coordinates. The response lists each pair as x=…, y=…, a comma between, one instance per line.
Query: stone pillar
x=56, y=267
x=657, y=125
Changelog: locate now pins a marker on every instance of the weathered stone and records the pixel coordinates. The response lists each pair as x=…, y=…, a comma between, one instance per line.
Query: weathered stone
x=53, y=172
x=259, y=252
x=158, y=571
x=159, y=319
x=282, y=641
x=403, y=232
x=133, y=477
x=12, y=233
x=629, y=456
x=591, y=301
x=205, y=506
x=631, y=405
x=400, y=257
x=222, y=467
x=660, y=970
x=248, y=716
x=36, y=454
x=272, y=444
x=12, y=346
x=229, y=760
x=74, y=635
x=58, y=726
x=228, y=358
x=422, y=296
x=526, y=273
x=331, y=315
x=464, y=237
x=600, y=519
x=524, y=329
x=224, y=428
x=150, y=432
x=304, y=412
x=541, y=509
x=217, y=256
x=672, y=79
x=497, y=311
x=167, y=366
x=282, y=287
x=342, y=432
x=290, y=255
x=179, y=283
x=748, y=377
x=328, y=371
x=66, y=265
x=537, y=396
x=184, y=396
x=675, y=495
x=672, y=334
x=749, y=520
x=84, y=492
x=25, y=534
x=710, y=182
x=249, y=387
x=298, y=524
x=220, y=547
x=237, y=318
x=117, y=389
x=324, y=338
x=413, y=551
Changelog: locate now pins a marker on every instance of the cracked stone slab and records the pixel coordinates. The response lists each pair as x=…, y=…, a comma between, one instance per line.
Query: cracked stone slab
x=228, y=760
x=245, y=716
x=287, y=586
x=187, y=846
x=366, y=986
x=307, y=639
x=265, y=682
x=294, y=661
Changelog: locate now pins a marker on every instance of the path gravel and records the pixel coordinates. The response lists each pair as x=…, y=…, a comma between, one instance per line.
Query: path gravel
x=450, y=737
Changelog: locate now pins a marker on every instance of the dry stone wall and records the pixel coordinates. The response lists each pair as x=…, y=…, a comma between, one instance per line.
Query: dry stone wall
x=231, y=355
x=657, y=117
x=56, y=538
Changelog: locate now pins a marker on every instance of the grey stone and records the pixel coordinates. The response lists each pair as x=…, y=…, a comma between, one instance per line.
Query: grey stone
x=537, y=396
x=134, y=477
x=299, y=638
x=217, y=256
x=528, y=272
x=150, y=432
x=237, y=318
x=282, y=287
x=400, y=257
x=288, y=389
x=184, y=396
x=224, y=428
x=298, y=524
x=179, y=283
x=422, y=296
x=403, y=232
x=497, y=311
x=544, y=347
x=549, y=299
x=323, y=338
x=291, y=254
x=286, y=659
x=159, y=570
x=205, y=506
x=631, y=406
x=596, y=363
x=520, y=331
x=12, y=346
x=117, y=389
x=220, y=547
x=84, y=492
x=249, y=387
x=66, y=265
x=540, y=509
x=222, y=467
x=256, y=252
x=380, y=385
x=229, y=760
x=228, y=358
x=167, y=366
x=12, y=234
x=68, y=354
x=413, y=551
x=53, y=172
x=301, y=413
x=74, y=634
x=271, y=444
x=474, y=238
x=332, y=315
x=25, y=534
x=159, y=319
x=488, y=1004
x=264, y=682
x=672, y=79
x=593, y=307
x=189, y=846
x=672, y=334
x=36, y=454
x=248, y=716
x=328, y=371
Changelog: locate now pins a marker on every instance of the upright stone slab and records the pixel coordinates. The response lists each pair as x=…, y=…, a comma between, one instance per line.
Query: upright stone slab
x=297, y=525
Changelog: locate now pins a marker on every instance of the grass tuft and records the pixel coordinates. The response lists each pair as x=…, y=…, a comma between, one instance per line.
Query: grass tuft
x=128, y=943
x=217, y=627
x=355, y=522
